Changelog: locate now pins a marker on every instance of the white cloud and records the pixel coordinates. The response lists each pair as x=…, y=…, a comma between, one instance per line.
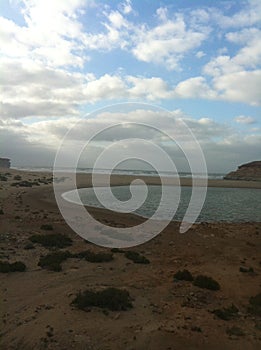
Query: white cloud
x=196, y=87
x=149, y=88
x=200, y=54
x=106, y=87
x=249, y=15
x=126, y=7
x=240, y=87
x=238, y=78
x=50, y=35
x=243, y=119
x=168, y=42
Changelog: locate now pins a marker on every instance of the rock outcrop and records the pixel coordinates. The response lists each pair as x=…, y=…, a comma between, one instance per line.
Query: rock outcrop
x=248, y=172
x=5, y=163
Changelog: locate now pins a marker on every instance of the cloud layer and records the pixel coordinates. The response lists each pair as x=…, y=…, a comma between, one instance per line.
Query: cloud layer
x=58, y=58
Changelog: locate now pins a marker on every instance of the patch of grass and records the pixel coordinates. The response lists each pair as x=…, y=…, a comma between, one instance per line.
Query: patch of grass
x=235, y=331
x=136, y=257
x=53, y=261
x=6, y=267
x=57, y=240
x=255, y=305
x=206, y=282
x=94, y=257
x=46, y=227
x=183, y=275
x=226, y=314
x=111, y=298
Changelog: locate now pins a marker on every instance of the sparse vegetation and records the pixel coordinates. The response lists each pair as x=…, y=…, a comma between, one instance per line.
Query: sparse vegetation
x=136, y=257
x=196, y=329
x=206, y=282
x=94, y=257
x=117, y=250
x=255, y=305
x=3, y=178
x=53, y=261
x=24, y=183
x=57, y=240
x=235, y=331
x=226, y=313
x=46, y=227
x=6, y=267
x=29, y=246
x=17, y=177
x=111, y=298
x=246, y=269
x=183, y=275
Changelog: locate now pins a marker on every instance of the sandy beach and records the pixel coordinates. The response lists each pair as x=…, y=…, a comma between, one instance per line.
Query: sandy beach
x=167, y=314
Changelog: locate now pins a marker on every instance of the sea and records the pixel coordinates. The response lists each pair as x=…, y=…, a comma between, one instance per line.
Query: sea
x=217, y=176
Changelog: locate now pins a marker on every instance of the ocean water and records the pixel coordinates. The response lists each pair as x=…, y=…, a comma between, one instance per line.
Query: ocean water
x=221, y=204
x=124, y=172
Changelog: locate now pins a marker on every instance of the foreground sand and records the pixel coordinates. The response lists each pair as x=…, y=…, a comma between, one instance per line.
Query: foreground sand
x=165, y=315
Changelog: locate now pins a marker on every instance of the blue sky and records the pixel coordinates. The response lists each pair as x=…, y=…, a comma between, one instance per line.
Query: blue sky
x=63, y=59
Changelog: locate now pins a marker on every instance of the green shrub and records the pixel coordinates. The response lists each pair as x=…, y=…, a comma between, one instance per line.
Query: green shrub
x=226, y=313
x=206, y=282
x=52, y=240
x=47, y=227
x=136, y=257
x=6, y=267
x=17, y=177
x=53, y=261
x=255, y=305
x=1, y=212
x=184, y=275
x=3, y=178
x=94, y=257
x=111, y=298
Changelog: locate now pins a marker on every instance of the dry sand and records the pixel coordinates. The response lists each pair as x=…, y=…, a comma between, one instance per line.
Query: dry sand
x=165, y=314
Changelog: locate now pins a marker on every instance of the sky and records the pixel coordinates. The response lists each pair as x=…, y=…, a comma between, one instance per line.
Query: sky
x=62, y=60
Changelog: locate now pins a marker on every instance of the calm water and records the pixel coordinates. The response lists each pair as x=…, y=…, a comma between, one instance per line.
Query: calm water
x=222, y=204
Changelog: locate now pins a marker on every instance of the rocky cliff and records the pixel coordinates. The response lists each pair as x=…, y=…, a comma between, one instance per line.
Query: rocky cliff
x=248, y=172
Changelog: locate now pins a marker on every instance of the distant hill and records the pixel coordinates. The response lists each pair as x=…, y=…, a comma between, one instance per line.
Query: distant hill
x=248, y=172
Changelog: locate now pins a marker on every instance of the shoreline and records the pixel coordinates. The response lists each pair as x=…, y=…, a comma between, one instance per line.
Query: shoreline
x=84, y=180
